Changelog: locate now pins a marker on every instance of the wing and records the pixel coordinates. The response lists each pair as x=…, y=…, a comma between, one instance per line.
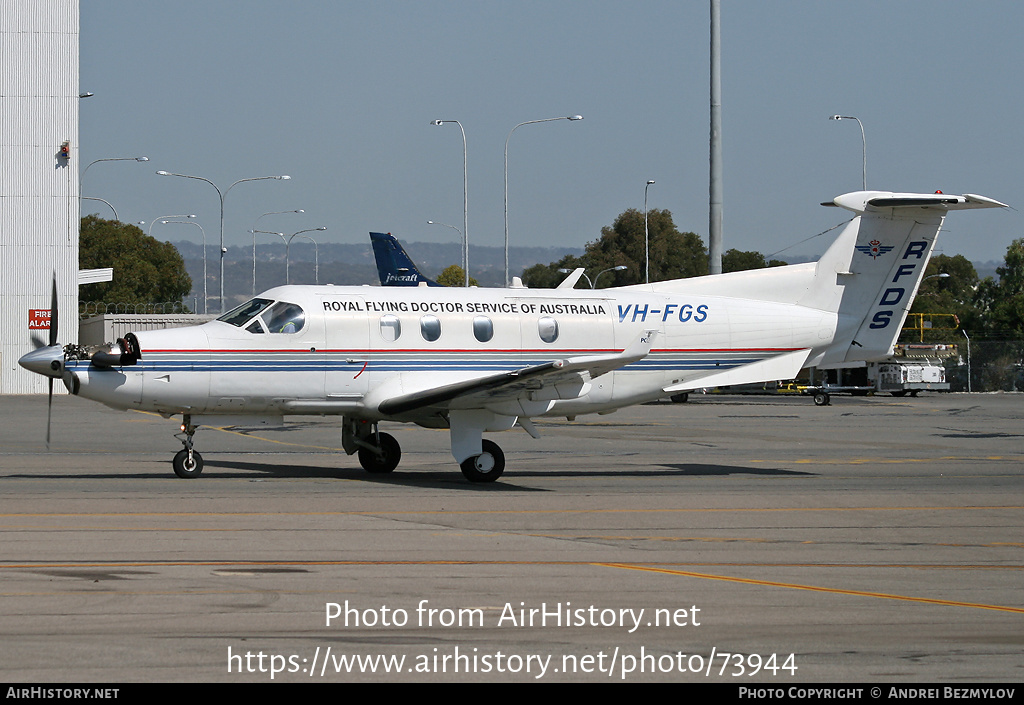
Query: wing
x=566, y=378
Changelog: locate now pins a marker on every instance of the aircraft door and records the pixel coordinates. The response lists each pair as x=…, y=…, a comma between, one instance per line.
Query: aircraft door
x=347, y=351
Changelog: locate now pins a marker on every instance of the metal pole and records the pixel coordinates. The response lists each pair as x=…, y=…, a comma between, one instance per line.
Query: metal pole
x=647, y=248
x=528, y=122
x=715, y=189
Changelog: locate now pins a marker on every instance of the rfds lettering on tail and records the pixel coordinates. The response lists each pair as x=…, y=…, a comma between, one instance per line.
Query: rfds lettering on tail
x=478, y=361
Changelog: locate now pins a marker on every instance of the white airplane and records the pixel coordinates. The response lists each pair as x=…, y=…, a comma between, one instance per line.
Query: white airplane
x=483, y=360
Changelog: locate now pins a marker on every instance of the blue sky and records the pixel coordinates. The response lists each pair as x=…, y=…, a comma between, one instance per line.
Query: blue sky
x=339, y=95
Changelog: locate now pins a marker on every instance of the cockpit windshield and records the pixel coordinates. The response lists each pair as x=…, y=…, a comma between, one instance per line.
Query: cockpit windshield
x=244, y=313
x=266, y=316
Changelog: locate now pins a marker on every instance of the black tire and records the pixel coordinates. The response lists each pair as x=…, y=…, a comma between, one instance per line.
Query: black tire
x=391, y=454
x=680, y=398
x=913, y=392
x=186, y=469
x=821, y=399
x=900, y=393
x=486, y=467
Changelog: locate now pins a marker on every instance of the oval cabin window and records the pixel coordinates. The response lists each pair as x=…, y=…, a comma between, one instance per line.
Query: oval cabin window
x=390, y=328
x=548, y=329
x=430, y=328
x=483, y=328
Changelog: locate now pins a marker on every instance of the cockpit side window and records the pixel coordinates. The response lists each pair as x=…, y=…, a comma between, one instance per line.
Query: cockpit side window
x=284, y=317
x=244, y=313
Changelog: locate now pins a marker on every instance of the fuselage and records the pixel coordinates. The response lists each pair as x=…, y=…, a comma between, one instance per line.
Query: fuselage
x=342, y=350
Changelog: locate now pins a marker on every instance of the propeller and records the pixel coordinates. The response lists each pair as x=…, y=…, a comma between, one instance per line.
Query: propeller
x=53, y=341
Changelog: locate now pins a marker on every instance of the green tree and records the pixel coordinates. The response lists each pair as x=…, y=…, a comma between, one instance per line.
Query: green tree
x=455, y=276
x=955, y=294
x=739, y=261
x=674, y=255
x=1005, y=300
x=145, y=269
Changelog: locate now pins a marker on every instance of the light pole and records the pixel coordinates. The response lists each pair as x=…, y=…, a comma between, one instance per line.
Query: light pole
x=528, y=122
x=81, y=178
x=253, y=231
x=647, y=248
x=465, y=202
x=160, y=218
x=316, y=253
x=270, y=232
x=864, y=148
x=968, y=359
x=222, y=195
x=464, y=245
x=188, y=222
x=93, y=198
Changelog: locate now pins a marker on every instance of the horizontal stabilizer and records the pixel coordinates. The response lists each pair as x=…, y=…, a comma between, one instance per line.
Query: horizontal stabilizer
x=785, y=366
x=879, y=201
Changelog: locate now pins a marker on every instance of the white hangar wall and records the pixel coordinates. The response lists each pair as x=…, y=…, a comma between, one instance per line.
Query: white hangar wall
x=38, y=188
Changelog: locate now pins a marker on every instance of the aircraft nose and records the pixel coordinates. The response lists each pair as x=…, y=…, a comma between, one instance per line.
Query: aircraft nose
x=47, y=361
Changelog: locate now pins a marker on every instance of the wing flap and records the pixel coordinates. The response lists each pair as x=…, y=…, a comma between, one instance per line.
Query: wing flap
x=565, y=376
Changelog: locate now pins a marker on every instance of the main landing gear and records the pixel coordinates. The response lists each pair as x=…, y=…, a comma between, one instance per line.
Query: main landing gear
x=187, y=462
x=486, y=467
x=378, y=452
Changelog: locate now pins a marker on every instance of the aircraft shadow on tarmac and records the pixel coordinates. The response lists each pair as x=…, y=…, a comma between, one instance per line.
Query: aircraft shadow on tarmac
x=425, y=478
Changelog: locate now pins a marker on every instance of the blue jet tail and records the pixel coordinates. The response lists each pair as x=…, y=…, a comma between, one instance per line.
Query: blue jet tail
x=394, y=267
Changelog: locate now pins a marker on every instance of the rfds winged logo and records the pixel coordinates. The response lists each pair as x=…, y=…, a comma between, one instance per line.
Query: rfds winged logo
x=874, y=249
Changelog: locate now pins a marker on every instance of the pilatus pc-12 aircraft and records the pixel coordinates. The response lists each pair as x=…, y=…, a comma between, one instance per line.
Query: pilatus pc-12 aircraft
x=477, y=361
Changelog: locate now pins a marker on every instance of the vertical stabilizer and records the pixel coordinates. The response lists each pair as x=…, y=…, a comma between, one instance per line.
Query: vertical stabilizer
x=394, y=266
x=877, y=264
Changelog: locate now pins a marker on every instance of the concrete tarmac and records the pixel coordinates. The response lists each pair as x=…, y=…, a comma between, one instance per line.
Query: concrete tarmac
x=743, y=540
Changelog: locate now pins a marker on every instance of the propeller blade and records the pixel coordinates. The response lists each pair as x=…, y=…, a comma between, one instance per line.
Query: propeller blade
x=37, y=342
x=49, y=411
x=53, y=314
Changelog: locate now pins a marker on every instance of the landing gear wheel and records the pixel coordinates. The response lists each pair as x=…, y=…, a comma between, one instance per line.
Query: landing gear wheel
x=821, y=399
x=900, y=393
x=680, y=398
x=486, y=467
x=187, y=467
x=384, y=461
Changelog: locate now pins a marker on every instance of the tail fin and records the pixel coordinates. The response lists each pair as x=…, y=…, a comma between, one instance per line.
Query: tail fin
x=871, y=273
x=394, y=267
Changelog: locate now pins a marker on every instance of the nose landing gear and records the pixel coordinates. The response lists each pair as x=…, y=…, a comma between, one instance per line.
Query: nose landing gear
x=187, y=462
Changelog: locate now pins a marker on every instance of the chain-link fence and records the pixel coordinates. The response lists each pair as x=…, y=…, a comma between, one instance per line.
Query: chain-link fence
x=987, y=366
x=97, y=308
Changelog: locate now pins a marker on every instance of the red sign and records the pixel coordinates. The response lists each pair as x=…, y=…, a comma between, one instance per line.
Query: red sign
x=39, y=319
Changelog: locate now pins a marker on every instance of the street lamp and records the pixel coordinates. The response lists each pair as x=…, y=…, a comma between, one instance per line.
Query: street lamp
x=647, y=249
x=864, y=148
x=81, y=178
x=254, y=231
x=93, y=198
x=187, y=222
x=160, y=218
x=528, y=122
x=222, y=195
x=465, y=201
x=465, y=248
x=316, y=253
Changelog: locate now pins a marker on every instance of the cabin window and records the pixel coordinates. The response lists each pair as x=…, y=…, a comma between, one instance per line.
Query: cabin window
x=284, y=318
x=390, y=328
x=430, y=328
x=548, y=329
x=483, y=328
